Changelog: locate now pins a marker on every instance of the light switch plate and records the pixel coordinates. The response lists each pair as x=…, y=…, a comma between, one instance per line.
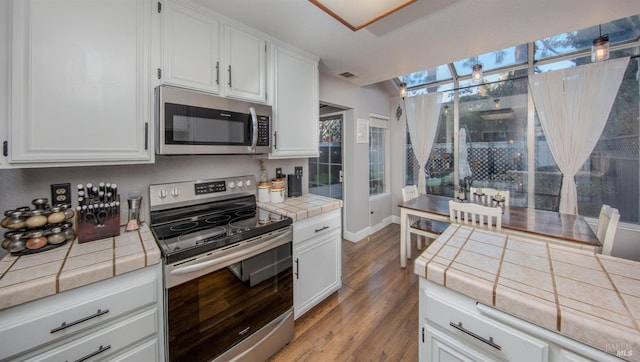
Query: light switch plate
x=278, y=172
x=297, y=170
x=61, y=194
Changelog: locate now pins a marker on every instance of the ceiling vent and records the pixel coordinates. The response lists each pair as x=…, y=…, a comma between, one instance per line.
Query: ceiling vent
x=347, y=75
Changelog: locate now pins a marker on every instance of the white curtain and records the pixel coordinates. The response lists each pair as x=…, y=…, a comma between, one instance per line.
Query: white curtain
x=573, y=107
x=422, y=119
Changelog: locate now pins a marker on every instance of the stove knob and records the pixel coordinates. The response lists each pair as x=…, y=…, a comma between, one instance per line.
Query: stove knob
x=232, y=185
x=162, y=194
x=248, y=183
x=240, y=184
x=175, y=192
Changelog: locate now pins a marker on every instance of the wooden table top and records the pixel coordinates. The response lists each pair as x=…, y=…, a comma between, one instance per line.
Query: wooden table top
x=545, y=223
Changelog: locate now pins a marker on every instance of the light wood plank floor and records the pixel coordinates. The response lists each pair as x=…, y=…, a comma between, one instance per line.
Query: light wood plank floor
x=373, y=317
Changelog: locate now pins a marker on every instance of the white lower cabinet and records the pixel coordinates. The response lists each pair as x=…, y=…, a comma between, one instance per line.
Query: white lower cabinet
x=317, y=249
x=119, y=318
x=454, y=327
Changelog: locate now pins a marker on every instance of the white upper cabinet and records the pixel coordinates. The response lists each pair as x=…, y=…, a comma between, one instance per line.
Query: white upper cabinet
x=80, y=82
x=191, y=48
x=245, y=65
x=295, y=105
x=196, y=55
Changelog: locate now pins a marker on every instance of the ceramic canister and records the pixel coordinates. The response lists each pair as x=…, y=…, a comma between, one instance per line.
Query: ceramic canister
x=277, y=195
x=263, y=192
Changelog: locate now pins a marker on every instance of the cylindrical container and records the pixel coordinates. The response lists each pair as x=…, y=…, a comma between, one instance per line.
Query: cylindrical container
x=56, y=236
x=277, y=183
x=263, y=191
x=16, y=220
x=16, y=244
x=67, y=230
x=263, y=216
x=36, y=219
x=36, y=241
x=277, y=194
x=56, y=216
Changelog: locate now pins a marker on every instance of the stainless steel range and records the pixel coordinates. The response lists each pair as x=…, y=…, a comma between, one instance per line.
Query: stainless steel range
x=228, y=270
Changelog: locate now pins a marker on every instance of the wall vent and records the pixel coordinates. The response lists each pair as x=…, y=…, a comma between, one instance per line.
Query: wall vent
x=347, y=75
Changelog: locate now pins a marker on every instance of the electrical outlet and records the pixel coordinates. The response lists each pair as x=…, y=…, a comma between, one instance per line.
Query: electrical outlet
x=61, y=194
x=297, y=170
x=278, y=172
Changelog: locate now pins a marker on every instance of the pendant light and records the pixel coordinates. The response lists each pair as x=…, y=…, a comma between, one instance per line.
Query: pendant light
x=600, y=47
x=403, y=89
x=476, y=75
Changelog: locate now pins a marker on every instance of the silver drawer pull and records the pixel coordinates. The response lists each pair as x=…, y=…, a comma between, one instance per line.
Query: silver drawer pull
x=100, y=350
x=322, y=228
x=66, y=325
x=487, y=341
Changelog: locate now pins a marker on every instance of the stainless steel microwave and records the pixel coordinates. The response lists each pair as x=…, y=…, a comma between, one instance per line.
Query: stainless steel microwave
x=191, y=122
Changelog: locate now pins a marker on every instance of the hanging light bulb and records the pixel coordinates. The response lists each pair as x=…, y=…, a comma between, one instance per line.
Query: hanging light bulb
x=403, y=89
x=497, y=102
x=446, y=109
x=600, y=47
x=476, y=75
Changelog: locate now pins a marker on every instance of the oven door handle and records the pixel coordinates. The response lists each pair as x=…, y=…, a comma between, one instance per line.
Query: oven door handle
x=254, y=129
x=231, y=258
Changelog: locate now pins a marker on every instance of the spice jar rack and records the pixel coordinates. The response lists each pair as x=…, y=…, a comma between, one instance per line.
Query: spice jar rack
x=39, y=229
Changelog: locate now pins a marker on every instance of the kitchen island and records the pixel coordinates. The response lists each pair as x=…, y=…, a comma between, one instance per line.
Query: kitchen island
x=493, y=294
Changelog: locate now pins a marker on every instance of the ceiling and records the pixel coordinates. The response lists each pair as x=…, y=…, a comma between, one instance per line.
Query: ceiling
x=424, y=34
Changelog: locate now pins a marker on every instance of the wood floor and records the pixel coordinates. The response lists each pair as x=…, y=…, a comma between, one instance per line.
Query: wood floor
x=373, y=317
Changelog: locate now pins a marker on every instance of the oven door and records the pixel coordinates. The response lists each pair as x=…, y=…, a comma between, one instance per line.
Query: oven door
x=217, y=311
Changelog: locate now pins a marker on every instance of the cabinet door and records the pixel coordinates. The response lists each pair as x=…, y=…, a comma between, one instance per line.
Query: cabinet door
x=317, y=271
x=80, y=81
x=296, y=105
x=191, y=42
x=245, y=65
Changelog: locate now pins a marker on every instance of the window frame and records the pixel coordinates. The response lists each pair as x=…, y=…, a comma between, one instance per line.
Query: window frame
x=381, y=122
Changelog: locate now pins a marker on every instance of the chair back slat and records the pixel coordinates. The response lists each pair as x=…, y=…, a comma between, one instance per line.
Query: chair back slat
x=475, y=215
x=607, y=227
x=409, y=192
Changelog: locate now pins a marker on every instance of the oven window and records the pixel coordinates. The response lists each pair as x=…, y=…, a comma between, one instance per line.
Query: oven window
x=201, y=126
x=212, y=313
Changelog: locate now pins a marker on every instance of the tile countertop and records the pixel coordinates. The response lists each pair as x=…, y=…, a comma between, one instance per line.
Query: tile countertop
x=29, y=277
x=589, y=297
x=303, y=207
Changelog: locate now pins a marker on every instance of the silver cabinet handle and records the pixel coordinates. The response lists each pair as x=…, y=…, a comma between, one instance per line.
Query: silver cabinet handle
x=217, y=72
x=322, y=228
x=100, y=350
x=297, y=269
x=254, y=129
x=489, y=341
x=66, y=325
x=229, y=76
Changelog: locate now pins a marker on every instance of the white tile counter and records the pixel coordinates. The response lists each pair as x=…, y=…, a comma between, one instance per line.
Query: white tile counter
x=589, y=297
x=30, y=277
x=302, y=207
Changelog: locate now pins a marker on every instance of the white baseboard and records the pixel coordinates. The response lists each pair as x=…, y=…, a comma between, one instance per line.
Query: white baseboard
x=362, y=234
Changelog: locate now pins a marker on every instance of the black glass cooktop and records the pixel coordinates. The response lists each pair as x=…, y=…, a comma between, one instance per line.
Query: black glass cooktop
x=190, y=231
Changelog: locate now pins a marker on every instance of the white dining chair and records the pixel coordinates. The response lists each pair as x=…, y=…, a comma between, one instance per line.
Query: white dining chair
x=488, y=195
x=420, y=227
x=475, y=215
x=607, y=226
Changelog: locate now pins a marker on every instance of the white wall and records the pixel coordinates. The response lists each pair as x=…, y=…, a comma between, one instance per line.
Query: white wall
x=360, y=102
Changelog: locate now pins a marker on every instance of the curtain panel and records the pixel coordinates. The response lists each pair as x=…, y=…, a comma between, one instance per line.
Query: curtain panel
x=422, y=120
x=573, y=106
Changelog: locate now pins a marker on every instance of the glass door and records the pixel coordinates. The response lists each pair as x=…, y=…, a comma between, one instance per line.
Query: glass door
x=325, y=171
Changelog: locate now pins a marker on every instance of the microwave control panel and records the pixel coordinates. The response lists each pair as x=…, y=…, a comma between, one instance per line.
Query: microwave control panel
x=263, y=131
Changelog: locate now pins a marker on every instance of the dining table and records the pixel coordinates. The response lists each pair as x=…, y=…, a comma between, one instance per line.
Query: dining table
x=544, y=225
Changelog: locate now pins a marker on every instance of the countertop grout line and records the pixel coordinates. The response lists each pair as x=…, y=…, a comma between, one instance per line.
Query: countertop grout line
x=555, y=291
x=499, y=271
x=436, y=253
x=457, y=254
x=619, y=295
x=64, y=262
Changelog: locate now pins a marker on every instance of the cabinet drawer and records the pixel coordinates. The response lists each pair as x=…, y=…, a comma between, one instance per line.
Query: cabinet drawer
x=482, y=333
x=46, y=320
x=106, y=341
x=317, y=225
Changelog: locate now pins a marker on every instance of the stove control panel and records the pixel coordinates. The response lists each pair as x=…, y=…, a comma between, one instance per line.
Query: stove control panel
x=171, y=194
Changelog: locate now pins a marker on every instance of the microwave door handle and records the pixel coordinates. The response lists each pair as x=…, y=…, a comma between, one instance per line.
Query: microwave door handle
x=254, y=132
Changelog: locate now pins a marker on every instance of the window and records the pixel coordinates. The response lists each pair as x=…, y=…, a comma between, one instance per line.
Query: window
x=377, y=156
x=500, y=140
